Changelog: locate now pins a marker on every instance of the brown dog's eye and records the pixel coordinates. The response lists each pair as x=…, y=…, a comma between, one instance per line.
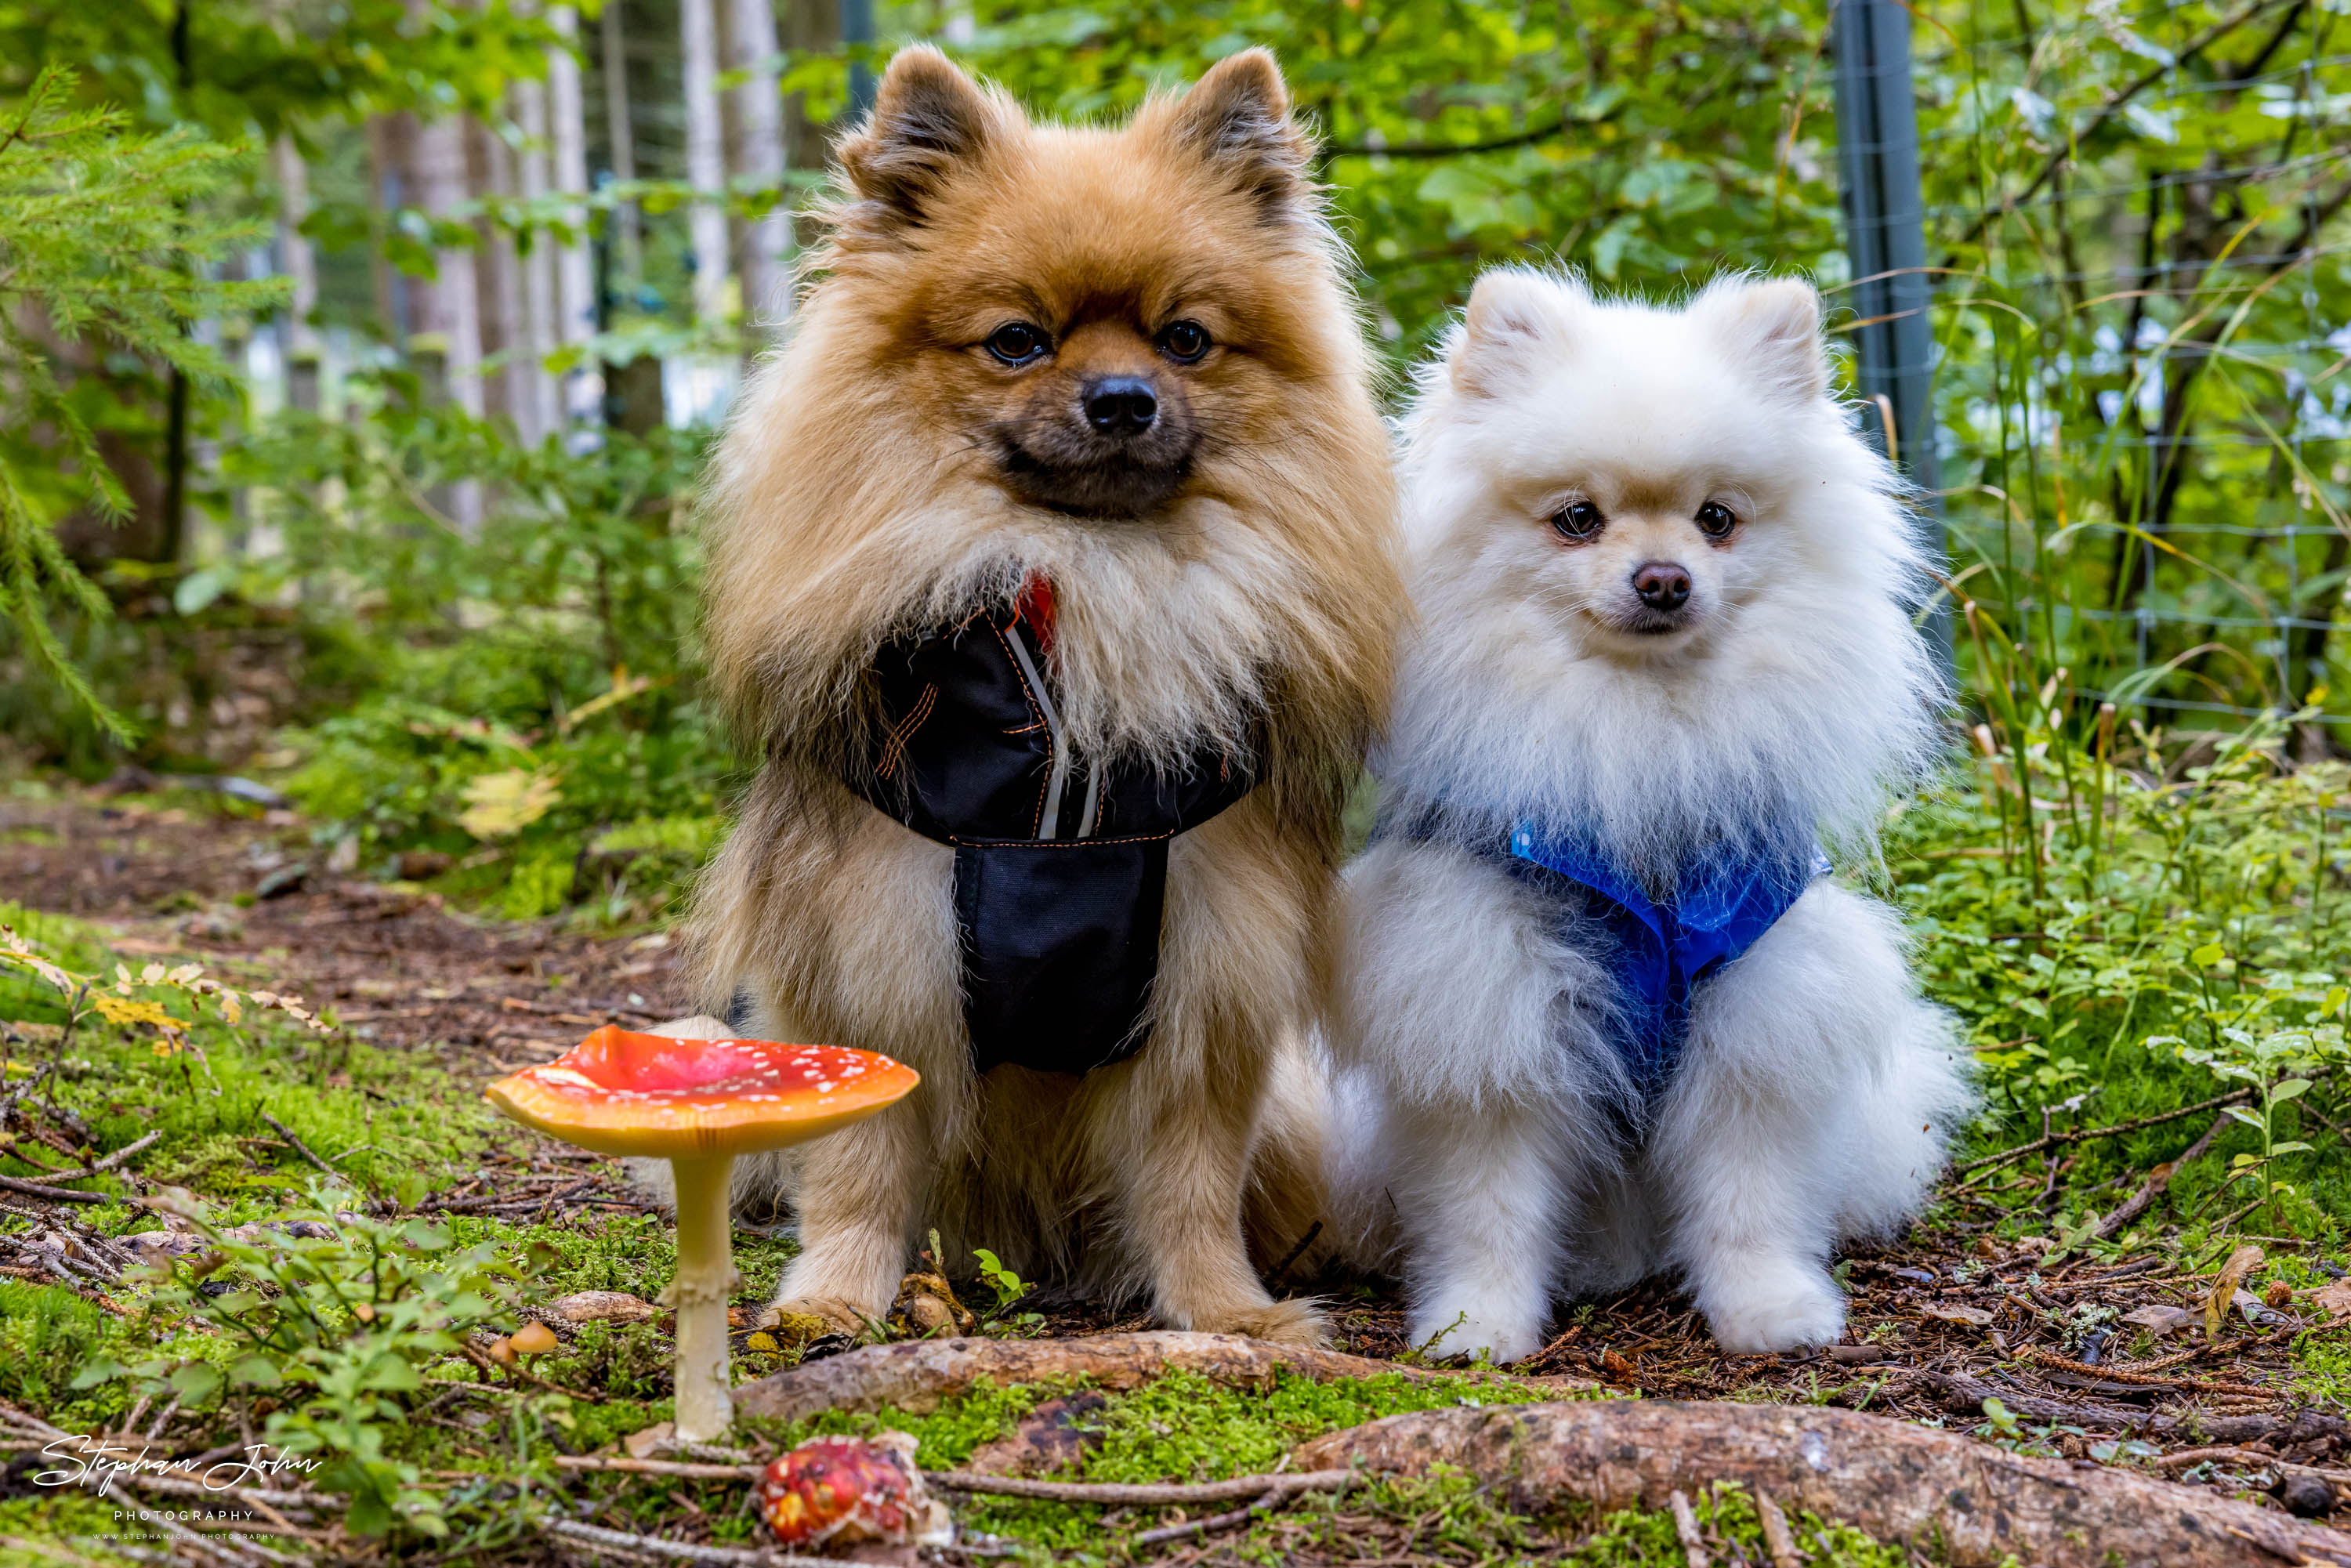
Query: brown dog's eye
x=1716, y=520
x=1017, y=344
x=1185, y=341
x=1577, y=521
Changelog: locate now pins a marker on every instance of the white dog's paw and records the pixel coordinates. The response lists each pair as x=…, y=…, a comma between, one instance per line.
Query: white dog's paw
x=1502, y=1337
x=1781, y=1305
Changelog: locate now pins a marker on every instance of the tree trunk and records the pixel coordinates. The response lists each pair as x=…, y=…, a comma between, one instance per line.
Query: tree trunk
x=582, y=385
x=444, y=307
x=705, y=158
x=294, y=257
x=444, y=311
x=755, y=153
x=811, y=26
x=540, y=307
x=620, y=131
x=386, y=149
x=497, y=276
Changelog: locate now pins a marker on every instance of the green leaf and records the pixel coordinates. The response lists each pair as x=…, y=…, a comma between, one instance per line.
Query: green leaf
x=2204, y=958
x=2292, y=1088
x=97, y=1370
x=2249, y=1118
x=257, y=1372
x=390, y=1374
x=197, y=1382
x=200, y=588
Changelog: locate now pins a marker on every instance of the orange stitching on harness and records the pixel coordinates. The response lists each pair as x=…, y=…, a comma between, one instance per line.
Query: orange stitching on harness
x=895, y=751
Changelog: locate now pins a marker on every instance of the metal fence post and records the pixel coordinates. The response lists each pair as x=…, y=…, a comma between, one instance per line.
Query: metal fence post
x=1877, y=156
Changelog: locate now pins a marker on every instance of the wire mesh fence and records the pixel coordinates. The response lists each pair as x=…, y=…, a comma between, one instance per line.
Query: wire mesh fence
x=2135, y=221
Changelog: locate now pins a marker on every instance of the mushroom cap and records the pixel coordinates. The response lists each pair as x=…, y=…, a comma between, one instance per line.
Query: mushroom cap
x=620, y=1092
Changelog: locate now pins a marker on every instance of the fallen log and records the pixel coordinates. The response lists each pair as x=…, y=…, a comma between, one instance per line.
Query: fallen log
x=1968, y=1503
x=920, y=1375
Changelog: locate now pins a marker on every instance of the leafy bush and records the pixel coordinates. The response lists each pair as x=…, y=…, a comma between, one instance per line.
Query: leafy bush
x=334, y=1316
x=104, y=235
x=535, y=711
x=2122, y=935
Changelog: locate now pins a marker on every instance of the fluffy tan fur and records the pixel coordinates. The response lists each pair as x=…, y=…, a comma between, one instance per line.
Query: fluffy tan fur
x=861, y=494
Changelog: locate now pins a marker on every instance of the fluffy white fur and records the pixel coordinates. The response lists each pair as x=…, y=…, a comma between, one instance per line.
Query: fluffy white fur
x=1485, y=1146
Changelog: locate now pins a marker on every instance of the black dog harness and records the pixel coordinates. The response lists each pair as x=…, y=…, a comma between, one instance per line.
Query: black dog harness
x=1061, y=864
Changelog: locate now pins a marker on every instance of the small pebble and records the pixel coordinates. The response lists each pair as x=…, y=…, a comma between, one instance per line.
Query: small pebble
x=2306, y=1496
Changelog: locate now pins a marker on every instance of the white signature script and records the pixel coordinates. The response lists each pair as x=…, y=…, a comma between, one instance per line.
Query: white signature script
x=92, y=1463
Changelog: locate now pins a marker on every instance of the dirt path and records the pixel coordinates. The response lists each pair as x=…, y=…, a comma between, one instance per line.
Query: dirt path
x=1939, y=1324
x=392, y=965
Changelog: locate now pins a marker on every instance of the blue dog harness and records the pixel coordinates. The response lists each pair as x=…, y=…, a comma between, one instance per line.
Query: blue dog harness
x=1656, y=954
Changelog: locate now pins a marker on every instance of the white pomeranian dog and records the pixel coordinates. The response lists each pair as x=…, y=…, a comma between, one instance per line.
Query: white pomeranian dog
x=1600, y=1012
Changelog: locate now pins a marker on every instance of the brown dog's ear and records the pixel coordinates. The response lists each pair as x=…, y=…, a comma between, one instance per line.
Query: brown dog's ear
x=1774, y=328
x=1515, y=315
x=1237, y=118
x=927, y=117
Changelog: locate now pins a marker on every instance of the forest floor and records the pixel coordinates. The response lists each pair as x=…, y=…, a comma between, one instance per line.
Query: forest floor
x=2028, y=1344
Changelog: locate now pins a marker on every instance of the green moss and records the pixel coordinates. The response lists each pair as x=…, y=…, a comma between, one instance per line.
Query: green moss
x=392, y=1120
x=47, y=1331
x=71, y=1517
x=1183, y=1428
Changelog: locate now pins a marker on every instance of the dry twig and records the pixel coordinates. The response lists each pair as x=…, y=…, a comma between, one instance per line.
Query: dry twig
x=1126, y=1494
x=1209, y=1526
x=2084, y=1134
x=655, y=1547
x=298, y=1146
x=681, y=1469
x=1685, y=1530
x=53, y=1194
x=2150, y=1380
x=1777, y=1539
x=2158, y=1181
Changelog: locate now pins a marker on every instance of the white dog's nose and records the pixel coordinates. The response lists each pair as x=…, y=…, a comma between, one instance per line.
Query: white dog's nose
x=1662, y=584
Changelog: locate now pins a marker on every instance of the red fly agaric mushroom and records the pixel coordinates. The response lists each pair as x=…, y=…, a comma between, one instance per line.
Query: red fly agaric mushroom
x=699, y=1104
x=835, y=1492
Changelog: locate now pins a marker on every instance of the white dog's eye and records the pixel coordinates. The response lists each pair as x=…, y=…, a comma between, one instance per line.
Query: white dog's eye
x=1577, y=521
x=1716, y=520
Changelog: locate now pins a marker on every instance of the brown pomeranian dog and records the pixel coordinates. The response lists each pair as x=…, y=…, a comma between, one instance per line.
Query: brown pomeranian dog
x=1050, y=573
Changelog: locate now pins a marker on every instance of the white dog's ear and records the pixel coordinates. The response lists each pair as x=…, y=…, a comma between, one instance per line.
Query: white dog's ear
x=1514, y=314
x=927, y=117
x=1774, y=328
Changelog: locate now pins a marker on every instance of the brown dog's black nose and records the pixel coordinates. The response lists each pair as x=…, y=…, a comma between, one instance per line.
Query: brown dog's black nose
x=1121, y=405
x=1662, y=585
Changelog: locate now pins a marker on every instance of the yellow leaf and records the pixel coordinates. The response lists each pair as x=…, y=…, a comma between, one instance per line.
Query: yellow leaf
x=497, y=804
x=229, y=1010
x=15, y=949
x=185, y=974
x=2242, y=1262
x=151, y=974
x=122, y=1010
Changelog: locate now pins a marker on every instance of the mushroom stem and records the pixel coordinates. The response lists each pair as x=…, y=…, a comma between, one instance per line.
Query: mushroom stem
x=705, y=1277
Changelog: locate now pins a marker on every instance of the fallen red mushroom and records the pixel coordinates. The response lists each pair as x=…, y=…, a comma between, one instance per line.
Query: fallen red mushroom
x=832, y=1492
x=699, y=1104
